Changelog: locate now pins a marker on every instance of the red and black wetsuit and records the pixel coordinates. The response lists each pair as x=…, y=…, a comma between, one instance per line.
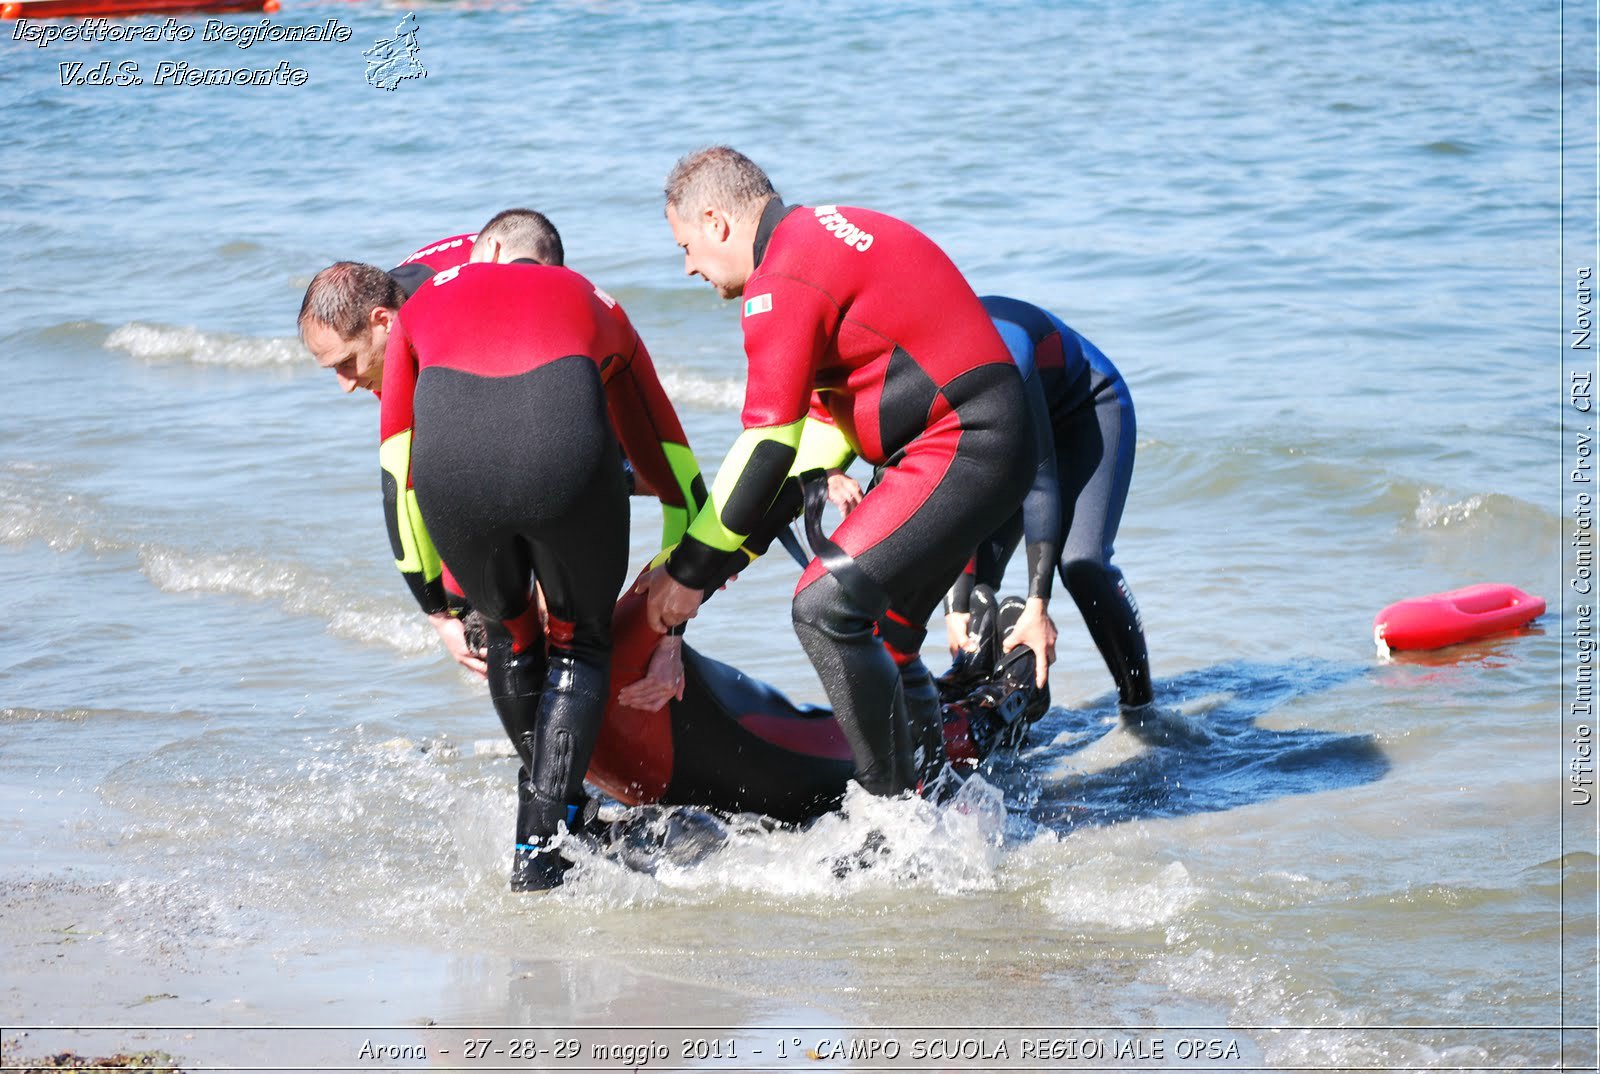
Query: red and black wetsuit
x=505, y=391
x=435, y=257
x=417, y=270
x=871, y=314
x=429, y=579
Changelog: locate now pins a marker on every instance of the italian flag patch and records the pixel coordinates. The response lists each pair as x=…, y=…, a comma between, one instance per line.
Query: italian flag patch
x=758, y=304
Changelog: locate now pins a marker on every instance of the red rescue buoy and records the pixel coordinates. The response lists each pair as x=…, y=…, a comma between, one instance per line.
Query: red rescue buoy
x=1441, y=619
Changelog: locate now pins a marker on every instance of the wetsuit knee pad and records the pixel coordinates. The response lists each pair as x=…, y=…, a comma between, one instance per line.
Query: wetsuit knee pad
x=569, y=722
x=516, y=684
x=831, y=609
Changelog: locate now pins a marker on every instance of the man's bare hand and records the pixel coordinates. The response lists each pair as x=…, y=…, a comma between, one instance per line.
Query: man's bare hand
x=955, y=632
x=844, y=492
x=663, y=678
x=453, y=635
x=1035, y=630
x=670, y=602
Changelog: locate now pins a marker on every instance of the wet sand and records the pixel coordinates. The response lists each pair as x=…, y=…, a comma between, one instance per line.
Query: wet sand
x=80, y=976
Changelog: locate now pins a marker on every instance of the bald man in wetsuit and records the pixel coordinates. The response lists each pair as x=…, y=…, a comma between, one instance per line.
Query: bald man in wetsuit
x=867, y=311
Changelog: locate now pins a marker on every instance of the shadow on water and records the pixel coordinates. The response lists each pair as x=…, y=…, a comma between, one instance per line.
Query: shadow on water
x=1197, y=749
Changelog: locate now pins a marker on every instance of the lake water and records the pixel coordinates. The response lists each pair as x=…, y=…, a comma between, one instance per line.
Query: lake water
x=1325, y=243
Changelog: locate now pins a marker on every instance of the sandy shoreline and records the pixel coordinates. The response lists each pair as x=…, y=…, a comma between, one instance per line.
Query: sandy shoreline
x=79, y=975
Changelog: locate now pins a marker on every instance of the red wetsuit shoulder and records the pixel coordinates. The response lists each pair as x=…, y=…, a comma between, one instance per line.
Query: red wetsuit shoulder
x=446, y=253
x=874, y=306
x=504, y=320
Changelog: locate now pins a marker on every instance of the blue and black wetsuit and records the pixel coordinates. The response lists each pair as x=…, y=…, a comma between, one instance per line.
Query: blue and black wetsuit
x=1072, y=511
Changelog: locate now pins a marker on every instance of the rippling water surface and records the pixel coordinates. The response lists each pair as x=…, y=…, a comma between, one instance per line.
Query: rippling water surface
x=1320, y=242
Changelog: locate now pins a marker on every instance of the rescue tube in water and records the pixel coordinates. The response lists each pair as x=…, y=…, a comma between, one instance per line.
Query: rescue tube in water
x=1458, y=615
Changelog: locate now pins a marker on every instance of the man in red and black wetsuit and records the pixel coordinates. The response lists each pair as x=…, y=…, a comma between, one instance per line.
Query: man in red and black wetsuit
x=349, y=307
x=868, y=312
x=506, y=388
x=345, y=319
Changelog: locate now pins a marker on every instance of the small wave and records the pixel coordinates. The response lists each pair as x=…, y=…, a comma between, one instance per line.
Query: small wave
x=92, y=332
x=1103, y=893
x=292, y=589
x=703, y=392
x=34, y=715
x=28, y=715
x=168, y=343
x=31, y=509
x=1436, y=509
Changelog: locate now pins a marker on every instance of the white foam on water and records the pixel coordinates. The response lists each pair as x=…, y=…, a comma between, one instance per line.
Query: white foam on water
x=166, y=916
x=402, y=630
x=291, y=588
x=31, y=511
x=702, y=392
x=27, y=715
x=1105, y=893
x=870, y=844
x=367, y=823
x=1436, y=509
x=170, y=343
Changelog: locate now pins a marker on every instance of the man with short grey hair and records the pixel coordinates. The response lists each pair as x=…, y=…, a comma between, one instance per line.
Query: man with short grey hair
x=345, y=318
x=871, y=315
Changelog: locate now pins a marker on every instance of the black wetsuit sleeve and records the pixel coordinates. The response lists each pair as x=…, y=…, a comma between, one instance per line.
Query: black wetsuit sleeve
x=411, y=277
x=959, y=598
x=1041, y=510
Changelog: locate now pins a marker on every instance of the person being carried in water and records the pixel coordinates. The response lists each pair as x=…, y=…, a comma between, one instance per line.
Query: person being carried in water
x=734, y=744
x=868, y=311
